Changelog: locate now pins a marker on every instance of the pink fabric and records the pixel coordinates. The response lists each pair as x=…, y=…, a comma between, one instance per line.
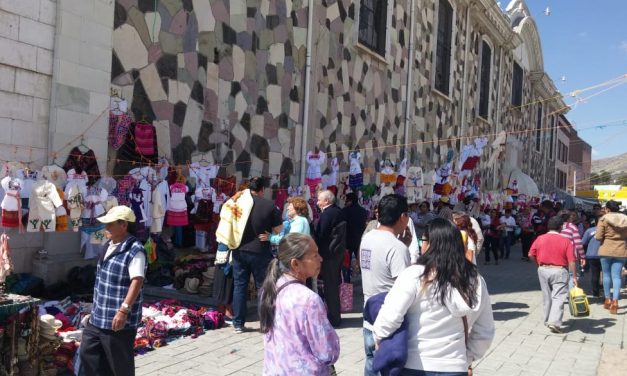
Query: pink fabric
x=144, y=139
x=281, y=197
x=346, y=297
x=470, y=163
x=313, y=184
x=118, y=129
x=177, y=218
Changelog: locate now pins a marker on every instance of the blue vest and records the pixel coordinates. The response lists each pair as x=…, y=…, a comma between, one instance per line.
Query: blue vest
x=112, y=284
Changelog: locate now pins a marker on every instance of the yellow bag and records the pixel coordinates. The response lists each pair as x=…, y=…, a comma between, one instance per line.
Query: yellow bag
x=578, y=303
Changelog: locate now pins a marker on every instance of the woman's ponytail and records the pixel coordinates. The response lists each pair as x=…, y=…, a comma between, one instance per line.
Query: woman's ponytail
x=268, y=296
x=292, y=246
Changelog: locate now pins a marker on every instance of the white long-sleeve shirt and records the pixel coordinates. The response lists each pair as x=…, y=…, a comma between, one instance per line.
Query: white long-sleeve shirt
x=436, y=332
x=477, y=228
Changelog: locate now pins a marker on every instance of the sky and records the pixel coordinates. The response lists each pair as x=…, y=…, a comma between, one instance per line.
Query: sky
x=584, y=43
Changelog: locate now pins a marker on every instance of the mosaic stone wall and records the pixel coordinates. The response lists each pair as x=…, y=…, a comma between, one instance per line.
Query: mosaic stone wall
x=435, y=118
x=358, y=98
x=226, y=78
x=522, y=123
x=478, y=126
x=217, y=76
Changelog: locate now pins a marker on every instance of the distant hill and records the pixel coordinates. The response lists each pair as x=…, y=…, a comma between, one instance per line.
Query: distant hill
x=613, y=165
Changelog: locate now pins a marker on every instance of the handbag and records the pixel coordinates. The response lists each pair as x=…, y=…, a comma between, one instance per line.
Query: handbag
x=346, y=296
x=578, y=303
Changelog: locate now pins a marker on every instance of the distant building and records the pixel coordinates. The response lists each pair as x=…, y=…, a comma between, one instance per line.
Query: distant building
x=562, y=148
x=579, y=162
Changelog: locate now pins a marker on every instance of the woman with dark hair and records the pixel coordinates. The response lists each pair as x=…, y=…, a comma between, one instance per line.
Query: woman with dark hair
x=446, y=305
x=469, y=236
x=424, y=241
x=299, y=339
x=612, y=233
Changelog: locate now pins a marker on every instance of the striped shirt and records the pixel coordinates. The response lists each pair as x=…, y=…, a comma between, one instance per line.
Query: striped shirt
x=571, y=232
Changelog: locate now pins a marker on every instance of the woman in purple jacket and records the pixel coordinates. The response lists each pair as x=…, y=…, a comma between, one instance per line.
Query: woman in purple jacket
x=299, y=340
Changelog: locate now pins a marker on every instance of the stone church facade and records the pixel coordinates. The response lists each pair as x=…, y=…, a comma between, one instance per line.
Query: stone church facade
x=226, y=78
x=229, y=80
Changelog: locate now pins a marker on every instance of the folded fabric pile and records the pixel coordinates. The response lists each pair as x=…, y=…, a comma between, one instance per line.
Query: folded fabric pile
x=191, y=266
x=60, y=333
x=169, y=319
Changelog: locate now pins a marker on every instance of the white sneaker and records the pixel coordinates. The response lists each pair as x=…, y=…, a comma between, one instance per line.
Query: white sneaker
x=239, y=330
x=554, y=329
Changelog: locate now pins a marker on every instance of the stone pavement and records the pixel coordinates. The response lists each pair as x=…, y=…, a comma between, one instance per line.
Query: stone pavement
x=523, y=346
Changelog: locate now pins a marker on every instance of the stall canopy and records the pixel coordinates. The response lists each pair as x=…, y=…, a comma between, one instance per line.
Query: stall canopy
x=576, y=202
x=585, y=203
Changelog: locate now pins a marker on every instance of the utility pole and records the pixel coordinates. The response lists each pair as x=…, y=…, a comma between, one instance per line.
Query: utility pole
x=575, y=183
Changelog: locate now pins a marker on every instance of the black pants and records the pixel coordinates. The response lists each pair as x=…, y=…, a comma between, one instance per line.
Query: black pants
x=107, y=353
x=493, y=246
x=595, y=274
x=526, y=239
x=330, y=274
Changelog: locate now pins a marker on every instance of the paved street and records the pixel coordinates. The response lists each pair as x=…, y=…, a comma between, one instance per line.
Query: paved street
x=589, y=346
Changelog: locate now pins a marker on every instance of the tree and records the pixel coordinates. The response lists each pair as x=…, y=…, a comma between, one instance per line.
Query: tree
x=622, y=180
x=603, y=177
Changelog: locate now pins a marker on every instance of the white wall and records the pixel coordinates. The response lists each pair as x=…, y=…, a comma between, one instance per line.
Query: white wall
x=82, y=76
x=55, y=64
x=27, y=29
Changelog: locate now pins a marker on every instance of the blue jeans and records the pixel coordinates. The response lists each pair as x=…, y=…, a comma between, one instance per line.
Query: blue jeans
x=416, y=372
x=245, y=263
x=506, y=244
x=571, y=284
x=611, y=267
x=369, y=348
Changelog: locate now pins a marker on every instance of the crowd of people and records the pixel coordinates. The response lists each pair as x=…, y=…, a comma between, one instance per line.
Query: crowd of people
x=425, y=260
x=426, y=308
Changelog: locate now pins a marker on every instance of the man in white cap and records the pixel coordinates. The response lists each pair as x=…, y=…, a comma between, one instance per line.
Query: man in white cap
x=108, y=338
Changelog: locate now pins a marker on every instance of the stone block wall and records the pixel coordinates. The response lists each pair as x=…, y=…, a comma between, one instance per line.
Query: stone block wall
x=27, y=29
x=359, y=96
x=225, y=78
x=436, y=117
x=54, y=82
x=81, y=69
x=218, y=77
x=26, y=40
